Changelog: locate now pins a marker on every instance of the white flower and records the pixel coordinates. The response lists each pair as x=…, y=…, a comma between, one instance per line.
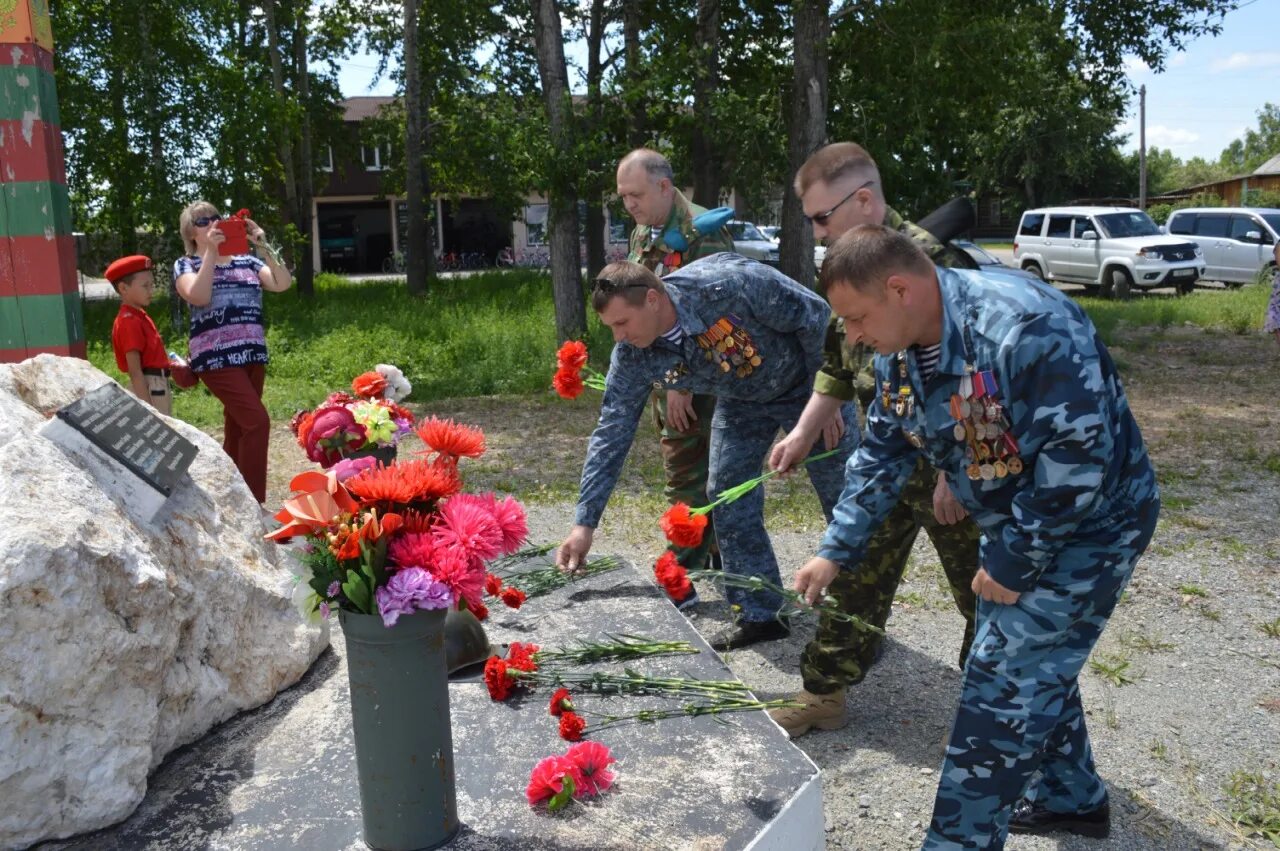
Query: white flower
x=398, y=386
x=305, y=599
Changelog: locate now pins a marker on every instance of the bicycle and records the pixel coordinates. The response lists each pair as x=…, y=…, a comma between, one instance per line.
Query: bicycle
x=394, y=263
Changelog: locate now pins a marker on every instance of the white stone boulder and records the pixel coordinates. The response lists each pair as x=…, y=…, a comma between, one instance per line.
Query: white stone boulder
x=121, y=640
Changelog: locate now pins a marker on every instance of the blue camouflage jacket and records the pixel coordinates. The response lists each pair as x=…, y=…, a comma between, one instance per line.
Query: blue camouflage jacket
x=1084, y=469
x=751, y=334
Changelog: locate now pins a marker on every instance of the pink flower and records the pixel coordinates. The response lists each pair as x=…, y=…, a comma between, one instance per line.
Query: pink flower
x=511, y=519
x=333, y=429
x=464, y=576
x=547, y=779
x=412, y=549
x=348, y=467
x=592, y=760
x=467, y=525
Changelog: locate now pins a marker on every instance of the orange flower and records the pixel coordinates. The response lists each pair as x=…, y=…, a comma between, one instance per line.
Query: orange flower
x=448, y=438
x=682, y=528
x=573, y=354
x=346, y=545
x=318, y=501
x=405, y=483
x=417, y=521
x=567, y=382
x=369, y=385
x=372, y=529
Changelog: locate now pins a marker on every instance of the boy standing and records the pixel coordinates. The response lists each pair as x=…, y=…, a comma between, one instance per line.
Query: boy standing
x=134, y=338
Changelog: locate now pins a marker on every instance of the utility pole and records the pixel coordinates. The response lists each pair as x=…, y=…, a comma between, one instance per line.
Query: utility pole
x=1142, y=147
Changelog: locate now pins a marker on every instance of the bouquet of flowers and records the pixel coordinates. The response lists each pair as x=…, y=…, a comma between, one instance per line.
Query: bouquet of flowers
x=572, y=373
x=347, y=426
x=399, y=538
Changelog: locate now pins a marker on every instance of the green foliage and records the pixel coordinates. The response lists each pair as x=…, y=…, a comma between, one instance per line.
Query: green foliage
x=475, y=336
x=1160, y=212
x=1237, y=311
x=1114, y=668
x=1253, y=803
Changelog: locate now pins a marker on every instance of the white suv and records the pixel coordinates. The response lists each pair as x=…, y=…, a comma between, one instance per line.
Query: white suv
x=1237, y=241
x=1112, y=248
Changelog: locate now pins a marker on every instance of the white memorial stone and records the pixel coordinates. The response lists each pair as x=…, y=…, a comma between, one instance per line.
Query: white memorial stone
x=122, y=638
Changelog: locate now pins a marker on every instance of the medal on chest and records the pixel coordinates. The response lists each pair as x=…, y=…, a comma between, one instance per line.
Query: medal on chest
x=982, y=425
x=903, y=402
x=728, y=345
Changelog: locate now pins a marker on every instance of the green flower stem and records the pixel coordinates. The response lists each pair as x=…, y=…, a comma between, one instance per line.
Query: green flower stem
x=691, y=710
x=631, y=683
x=738, y=491
x=619, y=648
x=592, y=379
x=507, y=562
x=794, y=602
x=543, y=580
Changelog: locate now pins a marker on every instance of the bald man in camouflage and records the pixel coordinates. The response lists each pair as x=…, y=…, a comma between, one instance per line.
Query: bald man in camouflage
x=663, y=241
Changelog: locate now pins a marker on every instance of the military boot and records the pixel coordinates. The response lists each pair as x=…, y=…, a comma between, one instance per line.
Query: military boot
x=824, y=711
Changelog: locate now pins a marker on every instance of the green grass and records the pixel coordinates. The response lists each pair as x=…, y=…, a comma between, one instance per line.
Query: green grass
x=1192, y=591
x=1254, y=804
x=1271, y=628
x=1112, y=667
x=1237, y=311
x=475, y=336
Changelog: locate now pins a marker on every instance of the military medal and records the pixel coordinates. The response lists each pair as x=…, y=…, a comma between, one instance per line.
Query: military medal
x=990, y=450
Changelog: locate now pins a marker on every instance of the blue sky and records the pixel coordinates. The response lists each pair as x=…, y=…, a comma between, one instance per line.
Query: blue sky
x=1207, y=95
x=1211, y=93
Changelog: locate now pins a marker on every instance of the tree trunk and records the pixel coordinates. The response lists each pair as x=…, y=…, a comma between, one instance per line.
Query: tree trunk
x=562, y=224
x=305, y=273
x=808, y=130
x=595, y=113
x=633, y=92
x=706, y=71
x=283, y=124
x=414, y=181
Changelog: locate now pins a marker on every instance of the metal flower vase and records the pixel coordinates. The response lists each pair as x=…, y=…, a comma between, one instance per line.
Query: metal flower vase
x=400, y=716
x=384, y=454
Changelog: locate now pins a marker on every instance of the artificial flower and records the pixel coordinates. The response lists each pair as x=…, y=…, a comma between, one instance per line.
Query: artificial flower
x=411, y=590
x=497, y=680
x=369, y=385
x=398, y=387
x=348, y=467
x=450, y=439
x=568, y=383
x=405, y=483
x=345, y=545
x=513, y=522
x=304, y=597
x=379, y=427
x=318, y=501
x=465, y=524
x=573, y=354
x=681, y=527
x=334, y=587
x=411, y=549
x=338, y=398
x=572, y=726
x=296, y=420
x=592, y=760
x=547, y=779
x=374, y=528
x=513, y=597
x=334, y=431
x=417, y=521
x=463, y=576
x=561, y=702
x=492, y=585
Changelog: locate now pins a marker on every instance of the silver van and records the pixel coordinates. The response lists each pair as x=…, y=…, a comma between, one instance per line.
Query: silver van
x=1237, y=241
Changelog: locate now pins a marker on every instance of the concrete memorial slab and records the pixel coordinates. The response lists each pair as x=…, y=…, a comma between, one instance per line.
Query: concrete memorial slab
x=124, y=633
x=284, y=776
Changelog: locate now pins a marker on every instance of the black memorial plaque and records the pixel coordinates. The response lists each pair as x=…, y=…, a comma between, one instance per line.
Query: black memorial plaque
x=116, y=422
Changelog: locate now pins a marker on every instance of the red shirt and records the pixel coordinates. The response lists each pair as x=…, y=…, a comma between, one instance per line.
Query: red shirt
x=134, y=331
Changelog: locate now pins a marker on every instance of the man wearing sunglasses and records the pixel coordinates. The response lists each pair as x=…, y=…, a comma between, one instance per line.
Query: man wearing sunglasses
x=839, y=188
x=663, y=240
x=751, y=337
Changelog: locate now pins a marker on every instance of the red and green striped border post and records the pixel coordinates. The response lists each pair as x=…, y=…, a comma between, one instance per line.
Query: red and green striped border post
x=39, y=297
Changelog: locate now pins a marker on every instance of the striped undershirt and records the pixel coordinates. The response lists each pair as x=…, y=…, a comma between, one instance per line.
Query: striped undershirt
x=927, y=358
x=675, y=336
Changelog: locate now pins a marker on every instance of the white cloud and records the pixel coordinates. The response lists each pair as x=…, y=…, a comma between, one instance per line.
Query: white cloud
x=1133, y=66
x=1177, y=60
x=1169, y=137
x=1240, y=61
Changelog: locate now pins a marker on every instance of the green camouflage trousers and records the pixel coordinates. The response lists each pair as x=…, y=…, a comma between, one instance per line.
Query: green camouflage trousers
x=684, y=461
x=841, y=653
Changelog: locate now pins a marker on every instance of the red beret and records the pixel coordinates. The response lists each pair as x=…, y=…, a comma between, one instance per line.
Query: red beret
x=127, y=266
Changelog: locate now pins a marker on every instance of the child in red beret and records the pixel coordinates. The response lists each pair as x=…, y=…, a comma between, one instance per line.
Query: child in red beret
x=139, y=350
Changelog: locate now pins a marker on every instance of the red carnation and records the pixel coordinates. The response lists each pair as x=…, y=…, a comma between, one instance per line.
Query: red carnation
x=492, y=585
x=568, y=383
x=521, y=657
x=499, y=682
x=513, y=597
x=681, y=527
x=561, y=702
x=673, y=578
x=480, y=610
x=573, y=354
x=572, y=726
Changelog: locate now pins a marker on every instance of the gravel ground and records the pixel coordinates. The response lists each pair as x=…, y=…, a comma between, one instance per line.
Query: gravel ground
x=1182, y=692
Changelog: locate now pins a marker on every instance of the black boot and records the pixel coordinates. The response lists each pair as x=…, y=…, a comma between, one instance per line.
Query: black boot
x=746, y=633
x=1031, y=818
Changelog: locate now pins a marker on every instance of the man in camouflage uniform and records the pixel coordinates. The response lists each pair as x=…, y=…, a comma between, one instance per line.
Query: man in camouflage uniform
x=750, y=336
x=664, y=216
x=1005, y=387
x=839, y=188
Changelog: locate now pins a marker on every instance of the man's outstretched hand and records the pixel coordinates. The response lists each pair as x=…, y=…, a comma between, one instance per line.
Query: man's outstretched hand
x=572, y=554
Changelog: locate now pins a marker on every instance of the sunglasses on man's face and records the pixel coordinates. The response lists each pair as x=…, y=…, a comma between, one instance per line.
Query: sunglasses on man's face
x=823, y=218
x=205, y=221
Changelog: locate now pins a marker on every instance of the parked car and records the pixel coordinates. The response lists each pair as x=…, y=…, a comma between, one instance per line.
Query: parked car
x=750, y=242
x=988, y=262
x=1112, y=248
x=1237, y=242
x=770, y=231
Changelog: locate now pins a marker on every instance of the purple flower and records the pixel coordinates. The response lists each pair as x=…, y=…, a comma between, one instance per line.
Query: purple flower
x=324, y=610
x=333, y=589
x=348, y=467
x=408, y=591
